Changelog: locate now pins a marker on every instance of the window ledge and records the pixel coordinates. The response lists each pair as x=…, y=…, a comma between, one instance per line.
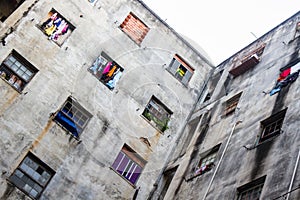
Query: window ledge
x=66, y=130
x=199, y=174
x=185, y=85
x=20, y=92
x=153, y=125
x=134, y=186
x=263, y=142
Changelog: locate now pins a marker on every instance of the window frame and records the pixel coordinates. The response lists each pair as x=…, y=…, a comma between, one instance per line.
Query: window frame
x=23, y=170
x=154, y=108
x=258, y=183
x=132, y=22
x=135, y=161
x=180, y=69
x=207, y=161
x=65, y=117
x=98, y=69
x=11, y=73
x=62, y=35
x=231, y=104
x=277, y=117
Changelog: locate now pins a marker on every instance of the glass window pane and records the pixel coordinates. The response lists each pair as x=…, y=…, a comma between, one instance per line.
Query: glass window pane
x=18, y=64
x=12, y=59
x=8, y=62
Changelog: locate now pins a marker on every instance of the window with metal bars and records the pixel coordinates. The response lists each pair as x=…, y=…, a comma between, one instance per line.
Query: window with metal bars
x=129, y=164
x=252, y=190
x=157, y=114
x=180, y=69
x=231, y=104
x=208, y=160
x=73, y=117
x=272, y=126
x=32, y=176
x=17, y=71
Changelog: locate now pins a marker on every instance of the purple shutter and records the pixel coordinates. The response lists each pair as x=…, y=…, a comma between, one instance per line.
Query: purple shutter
x=117, y=161
x=123, y=165
x=135, y=175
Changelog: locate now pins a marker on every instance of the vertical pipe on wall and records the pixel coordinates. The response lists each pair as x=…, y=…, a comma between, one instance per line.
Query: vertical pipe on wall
x=293, y=176
x=223, y=153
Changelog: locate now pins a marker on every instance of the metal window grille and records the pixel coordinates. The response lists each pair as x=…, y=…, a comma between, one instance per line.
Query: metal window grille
x=32, y=176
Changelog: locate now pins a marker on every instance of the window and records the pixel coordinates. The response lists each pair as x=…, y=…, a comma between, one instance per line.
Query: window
x=56, y=27
x=129, y=164
x=208, y=161
x=17, y=71
x=251, y=191
x=272, y=126
x=32, y=176
x=297, y=32
x=167, y=179
x=157, y=114
x=243, y=64
x=134, y=28
x=106, y=70
x=7, y=7
x=231, y=104
x=180, y=69
x=73, y=117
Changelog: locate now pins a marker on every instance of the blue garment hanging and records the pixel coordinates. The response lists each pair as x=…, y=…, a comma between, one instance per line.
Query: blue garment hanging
x=67, y=123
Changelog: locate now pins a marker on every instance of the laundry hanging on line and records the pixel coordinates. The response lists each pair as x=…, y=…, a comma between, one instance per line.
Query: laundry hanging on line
x=286, y=77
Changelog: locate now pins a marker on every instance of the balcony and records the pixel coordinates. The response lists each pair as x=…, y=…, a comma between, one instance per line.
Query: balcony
x=245, y=65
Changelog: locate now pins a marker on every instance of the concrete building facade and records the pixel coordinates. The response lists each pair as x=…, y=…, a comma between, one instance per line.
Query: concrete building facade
x=103, y=100
x=93, y=96
x=242, y=141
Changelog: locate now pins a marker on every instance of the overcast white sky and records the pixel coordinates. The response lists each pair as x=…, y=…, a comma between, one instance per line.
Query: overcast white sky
x=221, y=27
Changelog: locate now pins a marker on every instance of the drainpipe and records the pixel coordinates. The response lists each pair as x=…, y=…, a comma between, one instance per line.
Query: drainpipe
x=155, y=185
x=293, y=176
x=225, y=148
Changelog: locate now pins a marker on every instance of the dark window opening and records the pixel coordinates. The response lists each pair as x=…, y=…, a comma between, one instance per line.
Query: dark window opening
x=129, y=164
x=7, y=7
x=157, y=114
x=252, y=190
x=272, y=126
x=231, y=104
x=32, y=176
x=106, y=70
x=17, y=71
x=207, y=97
x=167, y=179
x=73, y=117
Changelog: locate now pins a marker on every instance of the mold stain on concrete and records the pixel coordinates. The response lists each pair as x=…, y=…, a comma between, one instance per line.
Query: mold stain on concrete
x=41, y=135
x=9, y=102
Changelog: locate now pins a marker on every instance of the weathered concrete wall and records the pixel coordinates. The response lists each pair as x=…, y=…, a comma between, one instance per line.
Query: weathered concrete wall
x=243, y=161
x=83, y=169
